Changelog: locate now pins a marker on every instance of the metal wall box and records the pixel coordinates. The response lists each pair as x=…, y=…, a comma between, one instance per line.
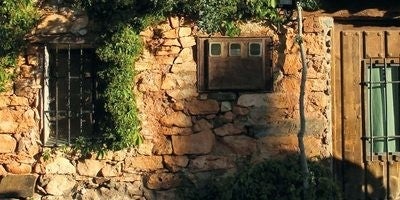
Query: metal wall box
x=234, y=64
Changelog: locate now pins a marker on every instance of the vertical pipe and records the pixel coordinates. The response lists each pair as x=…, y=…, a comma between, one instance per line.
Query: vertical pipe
x=69, y=94
x=56, y=99
x=371, y=85
x=386, y=109
x=81, y=99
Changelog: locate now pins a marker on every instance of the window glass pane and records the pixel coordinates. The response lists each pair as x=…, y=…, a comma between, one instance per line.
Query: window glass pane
x=255, y=49
x=88, y=57
x=215, y=49
x=61, y=63
x=75, y=62
x=234, y=49
x=63, y=128
x=87, y=123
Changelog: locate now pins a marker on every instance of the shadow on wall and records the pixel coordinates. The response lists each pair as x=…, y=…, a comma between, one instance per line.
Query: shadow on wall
x=282, y=179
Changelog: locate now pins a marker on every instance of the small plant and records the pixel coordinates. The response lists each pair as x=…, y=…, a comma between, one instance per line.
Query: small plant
x=46, y=154
x=271, y=179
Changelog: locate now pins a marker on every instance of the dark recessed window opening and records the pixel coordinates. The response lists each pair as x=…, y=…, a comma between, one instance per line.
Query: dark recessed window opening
x=234, y=49
x=254, y=49
x=215, y=49
x=69, y=93
x=234, y=64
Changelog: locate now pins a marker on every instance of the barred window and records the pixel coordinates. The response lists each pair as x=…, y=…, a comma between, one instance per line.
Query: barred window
x=382, y=118
x=69, y=93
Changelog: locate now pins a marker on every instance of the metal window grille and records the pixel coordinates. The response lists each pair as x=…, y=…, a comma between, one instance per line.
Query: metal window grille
x=382, y=108
x=69, y=93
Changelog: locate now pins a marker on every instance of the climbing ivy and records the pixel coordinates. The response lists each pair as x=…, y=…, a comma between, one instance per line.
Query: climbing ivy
x=17, y=18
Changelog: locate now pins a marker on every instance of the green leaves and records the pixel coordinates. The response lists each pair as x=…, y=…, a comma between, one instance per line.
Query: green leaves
x=271, y=179
x=121, y=126
x=17, y=18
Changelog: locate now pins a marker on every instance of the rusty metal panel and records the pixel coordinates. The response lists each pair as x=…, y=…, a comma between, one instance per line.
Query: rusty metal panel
x=393, y=43
x=374, y=44
x=239, y=63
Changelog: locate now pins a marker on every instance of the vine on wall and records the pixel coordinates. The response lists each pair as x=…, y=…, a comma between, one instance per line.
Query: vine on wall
x=17, y=18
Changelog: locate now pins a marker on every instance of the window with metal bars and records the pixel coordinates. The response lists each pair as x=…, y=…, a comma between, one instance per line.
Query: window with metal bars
x=69, y=93
x=382, y=106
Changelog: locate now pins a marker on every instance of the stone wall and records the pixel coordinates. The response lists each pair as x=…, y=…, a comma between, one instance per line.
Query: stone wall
x=188, y=135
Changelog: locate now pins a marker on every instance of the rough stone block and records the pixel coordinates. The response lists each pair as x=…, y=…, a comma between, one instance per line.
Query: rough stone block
x=226, y=106
x=199, y=143
x=238, y=110
x=186, y=55
x=171, y=34
x=53, y=24
x=162, y=145
x=178, y=119
x=89, y=167
x=149, y=82
x=222, y=96
x=292, y=64
x=143, y=163
x=271, y=146
x=18, y=101
x=185, y=31
x=175, y=163
x=168, y=50
x=17, y=186
x=202, y=125
x=177, y=81
x=8, y=143
x=111, y=170
x=312, y=25
x=256, y=100
x=172, y=42
x=2, y=171
x=60, y=165
x=228, y=129
x=59, y=185
x=163, y=181
x=18, y=168
x=241, y=145
x=202, y=107
x=176, y=131
x=4, y=101
x=174, y=21
x=184, y=67
x=187, y=41
x=165, y=60
x=210, y=162
x=180, y=94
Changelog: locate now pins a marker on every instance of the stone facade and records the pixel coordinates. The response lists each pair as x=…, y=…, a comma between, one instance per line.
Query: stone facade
x=187, y=133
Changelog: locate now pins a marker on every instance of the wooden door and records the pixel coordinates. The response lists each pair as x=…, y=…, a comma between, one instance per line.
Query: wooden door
x=365, y=172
